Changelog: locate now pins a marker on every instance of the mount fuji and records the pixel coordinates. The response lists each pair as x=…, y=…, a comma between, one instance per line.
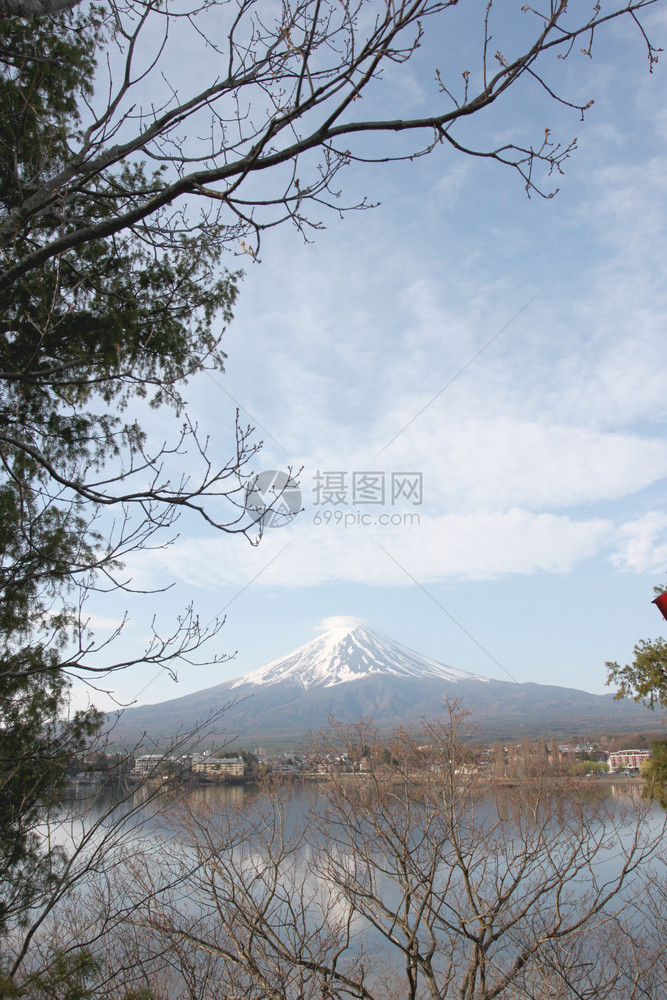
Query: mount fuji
x=346, y=654
x=354, y=671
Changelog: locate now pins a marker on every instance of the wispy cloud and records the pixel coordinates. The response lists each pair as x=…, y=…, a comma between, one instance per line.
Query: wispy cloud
x=532, y=455
x=480, y=545
x=642, y=544
x=339, y=621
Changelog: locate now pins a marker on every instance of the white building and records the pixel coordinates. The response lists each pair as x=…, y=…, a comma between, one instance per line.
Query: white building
x=627, y=760
x=212, y=767
x=146, y=763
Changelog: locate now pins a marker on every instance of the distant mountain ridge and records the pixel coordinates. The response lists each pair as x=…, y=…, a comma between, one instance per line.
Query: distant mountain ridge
x=354, y=671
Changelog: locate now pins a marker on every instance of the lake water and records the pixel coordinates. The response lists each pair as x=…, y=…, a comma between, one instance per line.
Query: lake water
x=370, y=887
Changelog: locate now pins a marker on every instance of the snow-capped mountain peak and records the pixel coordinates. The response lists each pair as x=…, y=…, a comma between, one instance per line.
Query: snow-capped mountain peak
x=345, y=654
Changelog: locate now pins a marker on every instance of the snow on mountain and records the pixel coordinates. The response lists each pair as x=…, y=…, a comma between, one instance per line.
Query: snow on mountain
x=345, y=654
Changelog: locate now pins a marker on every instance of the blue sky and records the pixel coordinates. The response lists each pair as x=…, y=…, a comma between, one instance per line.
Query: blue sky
x=509, y=350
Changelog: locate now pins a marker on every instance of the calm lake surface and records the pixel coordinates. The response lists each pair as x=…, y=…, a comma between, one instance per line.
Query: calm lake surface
x=149, y=820
x=243, y=830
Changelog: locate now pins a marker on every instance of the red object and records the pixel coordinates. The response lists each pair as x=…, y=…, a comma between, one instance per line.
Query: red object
x=661, y=602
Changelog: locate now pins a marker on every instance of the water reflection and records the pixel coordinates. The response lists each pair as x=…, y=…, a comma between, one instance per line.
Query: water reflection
x=146, y=806
x=221, y=796
x=236, y=882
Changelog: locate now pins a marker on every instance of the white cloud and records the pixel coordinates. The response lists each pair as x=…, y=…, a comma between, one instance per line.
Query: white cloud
x=472, y=462
x=93, y=621
x=339, y=621
x=563, y=409
x=479, y=545
x=642, y=544
x=453, y=181
x=508, y=462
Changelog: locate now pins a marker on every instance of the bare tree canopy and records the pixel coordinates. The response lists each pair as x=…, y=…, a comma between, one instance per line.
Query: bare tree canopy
x=413, y=876
x=285, y=82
